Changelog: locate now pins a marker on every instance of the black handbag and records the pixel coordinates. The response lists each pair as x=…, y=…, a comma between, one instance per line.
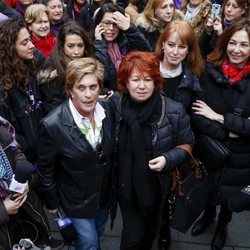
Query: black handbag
x=190, y=195
x=212, y=152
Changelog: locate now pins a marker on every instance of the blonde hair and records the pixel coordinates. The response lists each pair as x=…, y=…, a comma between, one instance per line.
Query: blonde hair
x=149, y=12
x=78, y=68
x=34, y=12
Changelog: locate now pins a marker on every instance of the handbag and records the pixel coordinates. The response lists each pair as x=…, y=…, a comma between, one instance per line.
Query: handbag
x=212, y=152
x=190, y=194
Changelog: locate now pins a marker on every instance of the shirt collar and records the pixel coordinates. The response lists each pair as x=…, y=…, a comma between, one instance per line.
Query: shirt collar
x=99, y=114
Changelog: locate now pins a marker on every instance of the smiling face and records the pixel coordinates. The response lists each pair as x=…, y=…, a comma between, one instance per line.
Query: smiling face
x=140, y=87
x=41, y=27
x=238, y=49
x=232, y=10
x=73, y=46
x=175, y=51
x=24, y=46
x=55, y=8
x=84, y=95
x=111, y=30
x=165, y=11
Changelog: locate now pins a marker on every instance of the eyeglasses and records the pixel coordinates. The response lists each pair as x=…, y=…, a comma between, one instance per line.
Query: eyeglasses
x=107, y=25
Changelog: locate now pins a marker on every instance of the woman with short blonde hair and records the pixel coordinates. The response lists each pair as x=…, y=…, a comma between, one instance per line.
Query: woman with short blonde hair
x=37, y=20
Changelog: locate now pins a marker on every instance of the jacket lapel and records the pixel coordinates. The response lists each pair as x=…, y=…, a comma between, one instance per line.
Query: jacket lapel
x=73, y=130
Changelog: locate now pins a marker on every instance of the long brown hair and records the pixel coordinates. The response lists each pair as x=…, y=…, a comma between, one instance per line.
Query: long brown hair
x=13, y=70
x=187, y=36
x=220, y=52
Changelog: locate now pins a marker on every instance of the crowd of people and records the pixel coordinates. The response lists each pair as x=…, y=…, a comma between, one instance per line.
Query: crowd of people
x=97, y=99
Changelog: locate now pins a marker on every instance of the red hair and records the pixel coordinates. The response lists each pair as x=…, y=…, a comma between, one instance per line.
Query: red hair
x=146, y=63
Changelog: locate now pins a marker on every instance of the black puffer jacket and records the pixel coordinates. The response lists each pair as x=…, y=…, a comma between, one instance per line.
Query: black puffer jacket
x=188, y=86
x=128, y=40
x=172, y=129
x=226, y=99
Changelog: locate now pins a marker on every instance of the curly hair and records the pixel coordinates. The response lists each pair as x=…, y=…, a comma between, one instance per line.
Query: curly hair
x=58, y=60
x=13, y=70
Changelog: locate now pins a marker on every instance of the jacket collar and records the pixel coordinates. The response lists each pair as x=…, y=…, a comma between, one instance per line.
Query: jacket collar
x=220, y=79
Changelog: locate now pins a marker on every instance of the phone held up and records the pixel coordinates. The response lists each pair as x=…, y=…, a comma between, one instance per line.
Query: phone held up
x=216, y=8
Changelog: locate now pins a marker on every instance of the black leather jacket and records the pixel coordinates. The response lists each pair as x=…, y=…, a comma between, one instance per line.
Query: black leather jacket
x=70, y=173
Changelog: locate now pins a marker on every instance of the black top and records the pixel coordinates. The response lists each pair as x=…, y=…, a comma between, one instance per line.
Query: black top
x=170, y=85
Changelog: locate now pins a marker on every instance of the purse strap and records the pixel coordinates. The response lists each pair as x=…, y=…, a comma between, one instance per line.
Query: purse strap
x=197, y=165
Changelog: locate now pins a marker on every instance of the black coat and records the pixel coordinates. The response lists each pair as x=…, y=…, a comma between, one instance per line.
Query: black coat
x=128, y=40
x=188, y=86
x=68, y=168
x=172, y=129
x=226, y=99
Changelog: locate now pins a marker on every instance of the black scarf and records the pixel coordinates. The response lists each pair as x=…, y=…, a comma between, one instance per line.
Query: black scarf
x=136, y=178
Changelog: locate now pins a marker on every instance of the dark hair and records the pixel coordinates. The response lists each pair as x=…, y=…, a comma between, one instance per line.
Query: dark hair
x=13, y=70
x=144, y=62
x=58, y=59
x=241, y=3
x=107, y=8
x=220, y=52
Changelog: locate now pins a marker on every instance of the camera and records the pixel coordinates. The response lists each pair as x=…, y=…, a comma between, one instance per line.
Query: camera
x=26, y=244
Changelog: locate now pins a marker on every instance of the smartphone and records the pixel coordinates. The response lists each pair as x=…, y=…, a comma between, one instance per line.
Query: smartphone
x=215, y=11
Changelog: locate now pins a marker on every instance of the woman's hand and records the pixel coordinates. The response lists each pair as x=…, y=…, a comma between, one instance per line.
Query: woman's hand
x=21, y=198
x=217, y=25
x=53, y=211
x=157, y=164
x=122, y=21
x=201, y=108
x=214, y=25
x=209, y=25
x=99, y=31
x=11, y=206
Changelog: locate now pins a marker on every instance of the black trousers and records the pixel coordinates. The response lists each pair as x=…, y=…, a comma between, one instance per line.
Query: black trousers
x=139, y=230
x=225, y=215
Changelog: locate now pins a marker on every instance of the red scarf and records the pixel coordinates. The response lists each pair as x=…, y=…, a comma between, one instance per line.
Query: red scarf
x=46, y=44
x=233, y=74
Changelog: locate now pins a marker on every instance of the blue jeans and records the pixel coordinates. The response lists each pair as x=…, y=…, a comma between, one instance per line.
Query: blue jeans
x=89, y=231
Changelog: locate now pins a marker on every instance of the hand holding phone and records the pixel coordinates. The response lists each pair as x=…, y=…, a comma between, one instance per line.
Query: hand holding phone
x=216, y=8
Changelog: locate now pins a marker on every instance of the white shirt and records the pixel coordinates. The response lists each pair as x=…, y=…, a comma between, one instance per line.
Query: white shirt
x=92, y=135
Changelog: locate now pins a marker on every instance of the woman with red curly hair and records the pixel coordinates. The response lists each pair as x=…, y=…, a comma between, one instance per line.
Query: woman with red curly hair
x=149, y=127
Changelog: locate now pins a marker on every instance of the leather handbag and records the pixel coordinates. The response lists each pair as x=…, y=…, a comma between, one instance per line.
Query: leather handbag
x=190, y=194
x=212, y=152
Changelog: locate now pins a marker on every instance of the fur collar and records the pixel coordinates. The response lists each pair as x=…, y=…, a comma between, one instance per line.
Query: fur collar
x=149, y=26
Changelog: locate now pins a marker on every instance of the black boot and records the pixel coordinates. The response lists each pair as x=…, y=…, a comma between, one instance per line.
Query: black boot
x=164, y=239
x=204, y=221
x=219, y=238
